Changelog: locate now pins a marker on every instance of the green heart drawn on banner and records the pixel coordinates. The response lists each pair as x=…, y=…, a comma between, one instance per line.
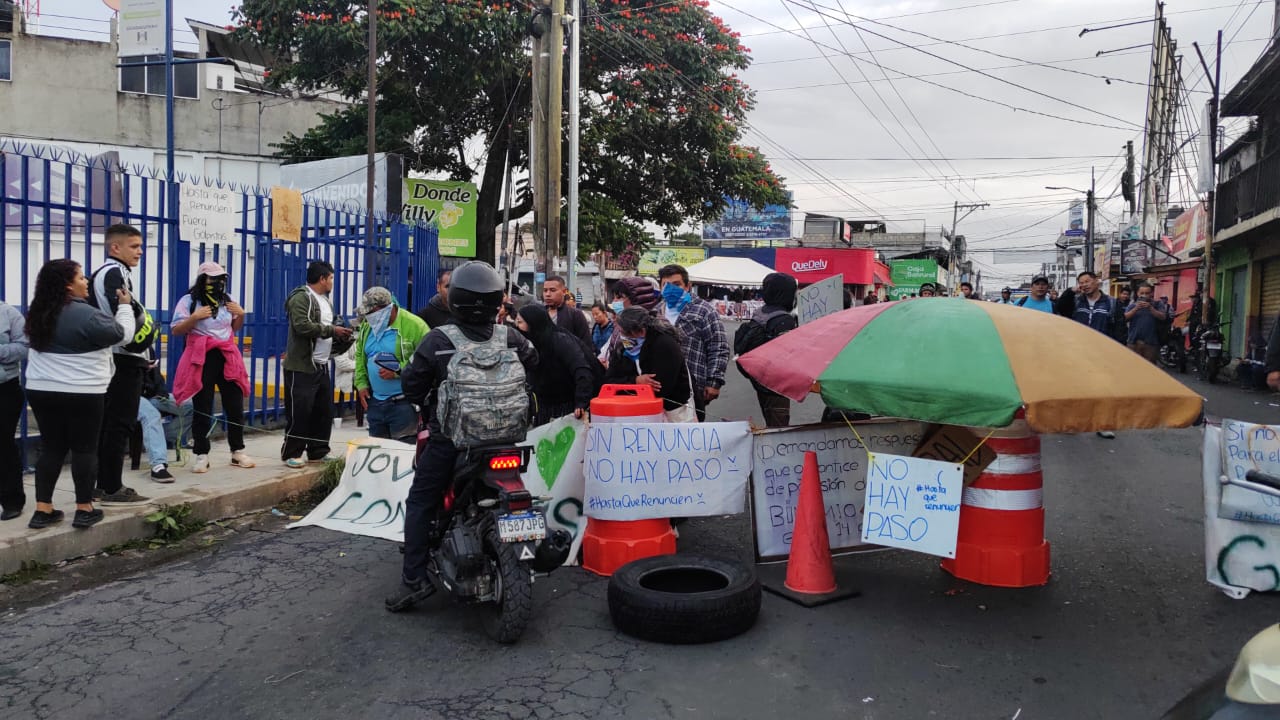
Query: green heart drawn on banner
x=551, y=455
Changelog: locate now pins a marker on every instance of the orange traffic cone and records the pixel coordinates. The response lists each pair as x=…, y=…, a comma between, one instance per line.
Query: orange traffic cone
x=810, y=578
x=809, y=569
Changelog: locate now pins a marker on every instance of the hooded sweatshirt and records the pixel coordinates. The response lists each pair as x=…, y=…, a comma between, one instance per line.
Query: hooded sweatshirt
x=78, y=360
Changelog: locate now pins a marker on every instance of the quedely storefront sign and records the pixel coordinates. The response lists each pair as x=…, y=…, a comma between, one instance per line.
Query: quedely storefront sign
x=810, y=265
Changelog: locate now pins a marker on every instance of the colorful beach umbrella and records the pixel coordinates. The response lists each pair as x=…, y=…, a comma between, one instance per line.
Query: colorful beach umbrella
x=962, y=362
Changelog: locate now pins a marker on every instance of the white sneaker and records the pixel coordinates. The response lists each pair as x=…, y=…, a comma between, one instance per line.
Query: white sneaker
x=201, y=464
x=240, y=459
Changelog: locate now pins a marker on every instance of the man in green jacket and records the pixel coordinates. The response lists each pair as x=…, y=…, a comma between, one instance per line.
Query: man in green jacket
x=308, y=391
x=385, y=343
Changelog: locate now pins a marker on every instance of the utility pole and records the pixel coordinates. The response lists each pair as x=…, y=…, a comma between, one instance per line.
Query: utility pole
x=970, y=208
x=1213, y=176
x=1090, y=206
x=548, y=106
x=575, y=69
x=371, y=171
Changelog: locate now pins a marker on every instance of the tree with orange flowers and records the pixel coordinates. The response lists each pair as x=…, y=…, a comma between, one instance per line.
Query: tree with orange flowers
x=662, y=113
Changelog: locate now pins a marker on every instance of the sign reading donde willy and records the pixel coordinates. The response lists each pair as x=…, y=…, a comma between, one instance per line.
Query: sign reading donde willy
x=450, y=206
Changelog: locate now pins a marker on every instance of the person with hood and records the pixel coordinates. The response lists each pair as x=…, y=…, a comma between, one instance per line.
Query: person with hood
x=436, y=312
x=475, y=295
x=308, y=394
x=648, y=353
x=210, y=319
x=638, y=292
x=385, y=343
x=564, y=382
x=769, y=322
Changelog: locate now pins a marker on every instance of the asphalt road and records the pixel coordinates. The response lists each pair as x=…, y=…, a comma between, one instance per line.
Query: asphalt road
x=290, y=625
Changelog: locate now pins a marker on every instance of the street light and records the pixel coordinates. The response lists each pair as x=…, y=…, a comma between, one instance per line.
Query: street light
x=1090, y=205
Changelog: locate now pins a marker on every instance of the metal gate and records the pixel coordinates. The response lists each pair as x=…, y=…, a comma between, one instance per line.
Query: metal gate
x=55, y=203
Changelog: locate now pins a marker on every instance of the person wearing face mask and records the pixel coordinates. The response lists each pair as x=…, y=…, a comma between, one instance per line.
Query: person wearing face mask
x=648, y=353
x=210, y=319
x=702, y=337
x=385, y=344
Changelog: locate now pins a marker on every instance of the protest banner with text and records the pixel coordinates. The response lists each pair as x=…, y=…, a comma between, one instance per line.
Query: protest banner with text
x=820, y=299
x=1241, y=549
x=658, y=470
x=1245, y=447
x=913, y=503
x=778, y=460
x=369, y=499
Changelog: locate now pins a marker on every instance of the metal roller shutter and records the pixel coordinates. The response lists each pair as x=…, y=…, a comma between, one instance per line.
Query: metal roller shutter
x=1270, y=296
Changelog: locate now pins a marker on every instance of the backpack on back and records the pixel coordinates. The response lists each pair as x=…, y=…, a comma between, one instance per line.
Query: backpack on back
x=484, y=398
x=145, y=331
x=756, y=332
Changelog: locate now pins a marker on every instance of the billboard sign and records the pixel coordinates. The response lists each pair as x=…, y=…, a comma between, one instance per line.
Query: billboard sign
x=142, y=27
x=1189, y=231
x=908, y=275
x=653, y=260
x=341, y=182
x=1075, y=219
x=448, y=205
x=741, y=221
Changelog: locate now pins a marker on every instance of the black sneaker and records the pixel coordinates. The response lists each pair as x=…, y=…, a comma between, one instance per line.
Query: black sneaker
x=11, y=514
x=41, y=519
x=409, y=594
x=161, y=474
x=86, y=518
x=123, y=496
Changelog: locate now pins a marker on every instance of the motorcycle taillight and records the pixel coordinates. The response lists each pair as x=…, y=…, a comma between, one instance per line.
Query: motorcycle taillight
x=504, y=462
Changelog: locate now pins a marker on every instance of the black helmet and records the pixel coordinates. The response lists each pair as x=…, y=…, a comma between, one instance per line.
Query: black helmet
x=475, y=292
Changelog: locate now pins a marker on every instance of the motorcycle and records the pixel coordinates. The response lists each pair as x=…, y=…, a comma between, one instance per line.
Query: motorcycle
x=494, y=540
x=1173, y=353
x=1211, y=358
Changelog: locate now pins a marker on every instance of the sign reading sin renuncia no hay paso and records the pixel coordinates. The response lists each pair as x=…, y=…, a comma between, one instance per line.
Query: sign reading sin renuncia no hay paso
x=660, y=470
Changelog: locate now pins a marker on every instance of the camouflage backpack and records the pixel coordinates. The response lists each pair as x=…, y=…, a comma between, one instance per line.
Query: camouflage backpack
x=484, y=398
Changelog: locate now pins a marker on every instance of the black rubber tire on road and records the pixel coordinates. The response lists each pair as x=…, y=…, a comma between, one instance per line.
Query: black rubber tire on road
x=684, y=599
x=506, y=619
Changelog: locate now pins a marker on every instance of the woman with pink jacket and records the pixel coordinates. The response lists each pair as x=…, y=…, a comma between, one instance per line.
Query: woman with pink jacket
x=210, y=319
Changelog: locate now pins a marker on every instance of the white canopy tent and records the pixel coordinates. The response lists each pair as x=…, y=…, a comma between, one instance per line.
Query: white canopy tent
x=730, y=271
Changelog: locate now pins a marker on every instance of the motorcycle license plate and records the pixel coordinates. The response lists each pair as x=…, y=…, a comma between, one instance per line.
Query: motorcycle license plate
x=520, y=527
x=1213, y=346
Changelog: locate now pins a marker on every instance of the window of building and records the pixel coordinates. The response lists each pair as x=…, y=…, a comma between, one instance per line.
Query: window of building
x=6, y=59
x=149, y=79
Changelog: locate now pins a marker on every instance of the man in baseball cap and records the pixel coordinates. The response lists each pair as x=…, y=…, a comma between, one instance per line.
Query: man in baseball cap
x=385, y=343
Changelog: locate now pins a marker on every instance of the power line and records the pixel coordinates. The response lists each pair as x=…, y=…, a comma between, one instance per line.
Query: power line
x=985, y=74
x=906, y=15
x=1000, y=103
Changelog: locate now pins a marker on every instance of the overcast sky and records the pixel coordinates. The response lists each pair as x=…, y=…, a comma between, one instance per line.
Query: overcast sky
x=827, y=122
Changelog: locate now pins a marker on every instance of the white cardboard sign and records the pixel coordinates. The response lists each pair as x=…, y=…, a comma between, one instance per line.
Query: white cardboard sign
x=913, y=503
x=778, y=462
x=637, y=471
x=1239, y=556
x=556, y=470
x=820, y=299
x=1245, y=447
x=369, y=499
x=208, y=214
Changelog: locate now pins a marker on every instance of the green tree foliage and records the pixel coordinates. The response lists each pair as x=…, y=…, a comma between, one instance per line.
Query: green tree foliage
x=662, y=111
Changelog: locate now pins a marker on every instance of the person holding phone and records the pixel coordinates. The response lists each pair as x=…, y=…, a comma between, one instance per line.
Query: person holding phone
x=385, y=344
x=1144, y=316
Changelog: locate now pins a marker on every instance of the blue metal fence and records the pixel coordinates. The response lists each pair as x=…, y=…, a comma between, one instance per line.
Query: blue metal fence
x=56, y=203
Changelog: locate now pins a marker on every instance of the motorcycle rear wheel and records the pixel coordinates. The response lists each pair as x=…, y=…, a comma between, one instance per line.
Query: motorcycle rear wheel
x=508, y=616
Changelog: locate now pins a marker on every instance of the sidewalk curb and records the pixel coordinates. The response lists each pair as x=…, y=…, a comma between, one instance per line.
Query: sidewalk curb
x=123, y=524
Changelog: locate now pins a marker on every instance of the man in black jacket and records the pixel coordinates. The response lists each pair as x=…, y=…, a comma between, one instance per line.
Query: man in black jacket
x=476, y=294
x=436, y=313
x=567, y=318
x=767, y=323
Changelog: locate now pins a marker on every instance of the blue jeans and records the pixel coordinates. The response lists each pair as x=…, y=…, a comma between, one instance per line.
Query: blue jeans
x=152, y=433
x=392, y=419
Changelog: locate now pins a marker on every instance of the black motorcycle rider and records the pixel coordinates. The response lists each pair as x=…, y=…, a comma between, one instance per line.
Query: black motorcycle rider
x=475, y=295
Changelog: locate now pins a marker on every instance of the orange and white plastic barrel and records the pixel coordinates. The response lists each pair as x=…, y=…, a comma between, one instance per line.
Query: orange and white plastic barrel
x=609, y=544
x=1001, y=539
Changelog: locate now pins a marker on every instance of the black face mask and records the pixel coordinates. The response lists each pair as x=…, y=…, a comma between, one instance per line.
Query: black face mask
x=215, y=290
